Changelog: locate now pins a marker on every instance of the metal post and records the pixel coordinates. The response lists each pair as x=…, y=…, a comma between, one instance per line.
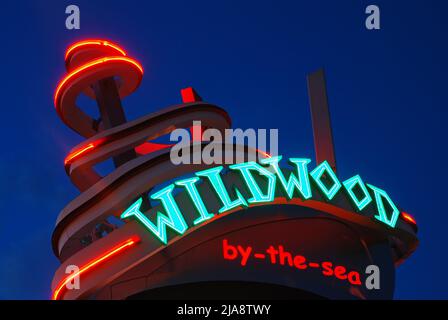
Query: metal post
x=320, y=117
x=111, y=112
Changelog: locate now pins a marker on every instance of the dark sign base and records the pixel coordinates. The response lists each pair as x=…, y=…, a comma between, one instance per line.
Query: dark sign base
x=229, y=290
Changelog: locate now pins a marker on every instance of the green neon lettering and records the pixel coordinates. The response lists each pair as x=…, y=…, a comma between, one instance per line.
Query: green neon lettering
x=322, y=175
x=382, y=214
x=301, y=182
x=173, y=219
x=257, y=194
x=213, y=175
x=349, y=184
x=192, y=191
x=318, y=172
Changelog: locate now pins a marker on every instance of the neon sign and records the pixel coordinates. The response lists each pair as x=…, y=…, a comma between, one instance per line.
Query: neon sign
x=94, y=263
x=277, y=255
x=321, y=184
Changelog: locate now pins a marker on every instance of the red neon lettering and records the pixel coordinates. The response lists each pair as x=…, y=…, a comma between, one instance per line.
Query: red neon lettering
x=283, y=255
x=339, y=272
x=229, y=252
x=245, y=253
x=232, y=252
x=300, y=262
x=327, y=268
x=273, y=254
x=354, y=278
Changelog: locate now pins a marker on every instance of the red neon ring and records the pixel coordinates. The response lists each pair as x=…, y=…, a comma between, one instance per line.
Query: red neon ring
x=67, y=80
x=92, y=42
x=98, y=260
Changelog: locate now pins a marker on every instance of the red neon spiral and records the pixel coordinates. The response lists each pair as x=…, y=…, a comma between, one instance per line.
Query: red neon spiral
x=99, y=68
x=87, y=62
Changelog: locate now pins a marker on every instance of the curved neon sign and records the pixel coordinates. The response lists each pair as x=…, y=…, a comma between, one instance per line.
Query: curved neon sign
x=302, y=184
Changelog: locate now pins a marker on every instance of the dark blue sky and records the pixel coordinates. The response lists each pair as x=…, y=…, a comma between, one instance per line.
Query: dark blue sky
x=385, y=88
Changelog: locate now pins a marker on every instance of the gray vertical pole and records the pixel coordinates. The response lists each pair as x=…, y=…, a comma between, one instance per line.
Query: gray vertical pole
x=112, y=113
x=320, y=117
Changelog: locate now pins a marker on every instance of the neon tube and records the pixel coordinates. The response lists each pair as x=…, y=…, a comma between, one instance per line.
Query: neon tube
x=93, y=42
x=407, y=217
x=89, y=66
x=75, y=154
x=95, y=262
x=267, y=155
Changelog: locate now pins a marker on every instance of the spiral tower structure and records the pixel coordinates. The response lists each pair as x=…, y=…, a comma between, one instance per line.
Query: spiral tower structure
x=118, y=260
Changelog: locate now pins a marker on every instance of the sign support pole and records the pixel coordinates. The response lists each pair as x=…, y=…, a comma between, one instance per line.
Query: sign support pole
x=320, y=118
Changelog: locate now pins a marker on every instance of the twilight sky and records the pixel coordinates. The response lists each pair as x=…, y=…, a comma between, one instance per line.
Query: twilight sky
x=385, y=87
